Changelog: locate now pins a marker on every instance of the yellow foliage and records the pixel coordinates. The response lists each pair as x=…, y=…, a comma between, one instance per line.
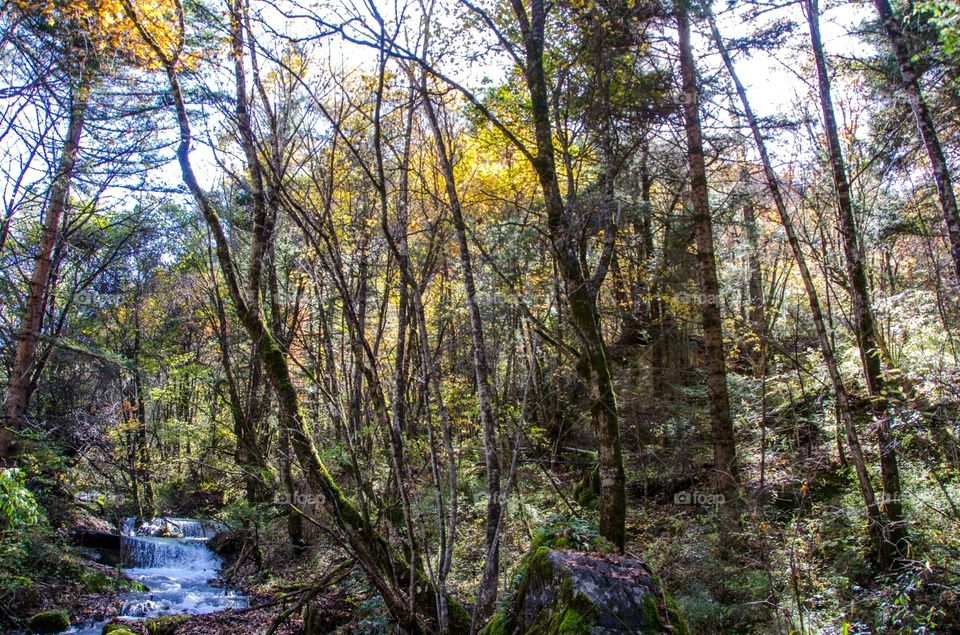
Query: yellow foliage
x=104, y=27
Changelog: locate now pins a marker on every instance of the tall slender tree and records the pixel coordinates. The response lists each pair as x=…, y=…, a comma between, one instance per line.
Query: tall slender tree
x=22, y=372
x=724, y=444
x=875, y=520
x=862, y=311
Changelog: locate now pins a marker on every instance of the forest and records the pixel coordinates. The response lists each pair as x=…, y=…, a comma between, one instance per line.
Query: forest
x=479, y=316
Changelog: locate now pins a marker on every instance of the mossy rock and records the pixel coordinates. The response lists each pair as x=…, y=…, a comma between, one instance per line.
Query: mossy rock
x=116, y=628
x=97, y=582
x=165, y=625
x=574, y=593
x=101, y=583
x=49, y=622
x=134, y=585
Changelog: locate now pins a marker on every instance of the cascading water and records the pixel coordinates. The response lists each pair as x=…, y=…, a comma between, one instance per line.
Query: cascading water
x=178, y=572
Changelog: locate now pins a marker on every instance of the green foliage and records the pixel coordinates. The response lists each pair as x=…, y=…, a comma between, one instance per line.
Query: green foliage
x=587, y=491
x=568, y=532
x=945, y=14
x=18, y=507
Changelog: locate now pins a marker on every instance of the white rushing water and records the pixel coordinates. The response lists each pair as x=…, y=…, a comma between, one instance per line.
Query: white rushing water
x=178, y=572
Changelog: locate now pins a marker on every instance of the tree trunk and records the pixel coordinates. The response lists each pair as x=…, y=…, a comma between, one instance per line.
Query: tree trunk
x=581, y=290
x=757, y=348
x=910, y=85
x=875, y=521
x=143, y=445
x=488, y=588
x=23, y=365
x=862, y=312
x=724, y=446
x=380, y=561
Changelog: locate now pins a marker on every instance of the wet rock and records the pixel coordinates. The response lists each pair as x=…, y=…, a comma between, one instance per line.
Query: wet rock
x=227, y=543
x=567, y=592
x=165, y=625
x=49, y=622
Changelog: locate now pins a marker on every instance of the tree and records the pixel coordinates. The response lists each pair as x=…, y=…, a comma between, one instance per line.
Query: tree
x=582, y=287
x=724, y=452
x=863, y=323
x=23, y=367
x=910, y=84
x=875, y=521
x=386, y=568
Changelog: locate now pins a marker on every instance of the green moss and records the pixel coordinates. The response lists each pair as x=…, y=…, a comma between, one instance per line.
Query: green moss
x=97, y=582
x=116, y=629
x=680, y=626
x=49, y=622
x=654, y=613
x=651, y=613
x=165, y=625
x=573, y=622
x=501, y=624
x=587, y=491
x=563, y=542
x=568, y=532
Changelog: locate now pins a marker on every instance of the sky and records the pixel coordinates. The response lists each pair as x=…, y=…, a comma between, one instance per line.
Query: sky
x=773, y=82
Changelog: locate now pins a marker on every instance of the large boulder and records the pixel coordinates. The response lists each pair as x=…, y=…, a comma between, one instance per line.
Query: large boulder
x=571, y=592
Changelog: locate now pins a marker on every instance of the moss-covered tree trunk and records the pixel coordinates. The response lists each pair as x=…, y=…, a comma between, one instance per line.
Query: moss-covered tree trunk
x=581, y=289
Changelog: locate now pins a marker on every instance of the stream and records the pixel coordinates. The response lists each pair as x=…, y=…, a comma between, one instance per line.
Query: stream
x=177, y=571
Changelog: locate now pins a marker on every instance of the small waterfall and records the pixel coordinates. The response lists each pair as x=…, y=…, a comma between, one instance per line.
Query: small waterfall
x=165, y=553
x=170, y=556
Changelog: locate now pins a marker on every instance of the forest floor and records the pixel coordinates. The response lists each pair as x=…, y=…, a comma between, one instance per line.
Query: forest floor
x=786, y=555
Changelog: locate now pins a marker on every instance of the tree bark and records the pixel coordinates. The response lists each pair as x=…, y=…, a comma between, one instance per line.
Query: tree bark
x=910, y=84
x=862, y=312
x=724, y=445
x=143, y=446
x=757, y=349
x=488, y=588
x=25, y=357
x=875, y=520
x=581, y=290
